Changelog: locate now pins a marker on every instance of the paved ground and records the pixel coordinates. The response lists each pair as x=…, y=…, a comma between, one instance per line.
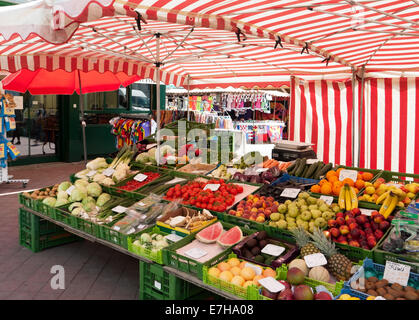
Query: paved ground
x=92, y=271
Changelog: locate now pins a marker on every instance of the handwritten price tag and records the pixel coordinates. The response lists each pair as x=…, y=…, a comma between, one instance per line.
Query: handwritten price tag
x=315, y=259
x=327, y=199
x=108, y=172
x=396, y=273
x=351, y=174
x=212, y=187
x=70, y=189
x=271, y=284
x=119, y=209
x=311, y=161
x=290, y=193
x=366, y=212
x=140, y=177
x=173, y=237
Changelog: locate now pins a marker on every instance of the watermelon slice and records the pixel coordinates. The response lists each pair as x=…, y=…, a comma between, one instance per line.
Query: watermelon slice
x=210, y=234
x=231, y=237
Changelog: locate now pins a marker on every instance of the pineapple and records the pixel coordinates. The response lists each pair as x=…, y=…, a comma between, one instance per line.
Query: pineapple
x=339, y=265
x=302, y=239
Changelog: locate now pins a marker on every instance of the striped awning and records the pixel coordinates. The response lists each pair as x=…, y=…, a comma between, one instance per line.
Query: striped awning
x=215, y=43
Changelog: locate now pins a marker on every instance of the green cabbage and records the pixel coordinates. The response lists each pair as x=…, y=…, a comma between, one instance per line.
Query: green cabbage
x=50, y=201
x=89, y=206
x=74, y=205
x=77, y=211
x=60, y=202
x=97, y=164
x=145, y=238
x=78, y=194
x=99, y=177
x=94, y=189
x=103, y=198
x=87, y=200
x=143, y=158
x=81, y=183
x=152, y=153
x=62, y=195
x=64, y=186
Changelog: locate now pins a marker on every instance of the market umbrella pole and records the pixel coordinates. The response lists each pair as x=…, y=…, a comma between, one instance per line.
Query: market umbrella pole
x=187, y=117
x=83, y=123
x=158, y=95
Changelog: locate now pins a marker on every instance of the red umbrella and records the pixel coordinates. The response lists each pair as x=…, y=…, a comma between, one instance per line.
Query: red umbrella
x=59, y=81
x=62, y=82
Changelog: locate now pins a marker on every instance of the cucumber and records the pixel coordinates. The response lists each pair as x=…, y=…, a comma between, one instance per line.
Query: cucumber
x=312, y=169
x=325, y=169
x=307, y=167
x=291, y=167
x=296, y=164
x=301, y=167
x=316, y=174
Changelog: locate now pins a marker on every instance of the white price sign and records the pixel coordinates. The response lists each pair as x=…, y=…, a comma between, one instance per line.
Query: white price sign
x=327, y=199
x=311, y=161
x=315, y=260
x=366, y=212
x=91, y=173
x=351, y=174
x=157, y=284
x=119, y=209
x=212, y=187
x=108, y=172
x=70, y=189
x=290, y=193
x=196, y=253
x=397, y=273
x=140, y=177
x=173, y=237
x=273, y=250
x=271, y=284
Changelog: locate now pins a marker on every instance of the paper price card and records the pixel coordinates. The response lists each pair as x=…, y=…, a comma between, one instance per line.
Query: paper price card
x=315, y=260
x=271, y=284
x=91, y=173
x=351, y=174
x=311, y=161
x=196, y=253
x=119, y=209
x=327, y=199
x=108, y=172
x=396, y=273
x=157, y=284
x=273, y=250
x=140, y=177
x=212, y=187
x=258, y=270
x=70, y=189
x=366, y=212
x=290, y=193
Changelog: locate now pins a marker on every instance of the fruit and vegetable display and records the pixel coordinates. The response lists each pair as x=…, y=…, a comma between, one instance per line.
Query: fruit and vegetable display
x=260, y=249
x=306, y=211
x=197, y=194
x=358, y=230
x=331, y=185
x=389, y=195
x=133, y=184
x=300, y=168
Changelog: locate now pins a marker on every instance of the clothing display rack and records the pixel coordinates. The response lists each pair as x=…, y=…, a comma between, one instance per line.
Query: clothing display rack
x=130, y=129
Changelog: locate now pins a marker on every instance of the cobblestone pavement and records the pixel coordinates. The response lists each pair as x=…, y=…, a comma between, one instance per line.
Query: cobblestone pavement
x=92, y=271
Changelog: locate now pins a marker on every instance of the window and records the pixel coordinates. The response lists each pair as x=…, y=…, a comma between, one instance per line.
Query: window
x=106, y=100
x=141, y=97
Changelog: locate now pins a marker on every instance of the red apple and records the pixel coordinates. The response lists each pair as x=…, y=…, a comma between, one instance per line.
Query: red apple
x=374, y=213
x=341, y=238
x=384, y=225
x=353, y=225
x=344, y=230
x=344, y=242
x=326, y=233
x=350, y=221
x=362, y=234
x=322, y=296
x=232, y=212
x=348, y=216
x=374, y=226
x=379, y=218
x=378, y=234
x=368, y=231
x=335, y=232
x=354, y=243
x=285, y=283
x=367, y=225
x=356, y=212
x=340, y=221
x=355, y=233
x=340, y=215
x=371, y=243
x=332, y=223
x=361, y=219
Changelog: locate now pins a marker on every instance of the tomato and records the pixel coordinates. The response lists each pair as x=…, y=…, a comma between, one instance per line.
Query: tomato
x=192, y=201
x=209, y=207
x=211, y=200
x=204, y=206
x=198, y=204
x=178, y=194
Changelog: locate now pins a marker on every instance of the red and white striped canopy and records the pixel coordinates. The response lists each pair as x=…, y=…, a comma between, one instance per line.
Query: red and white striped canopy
x=339, y=36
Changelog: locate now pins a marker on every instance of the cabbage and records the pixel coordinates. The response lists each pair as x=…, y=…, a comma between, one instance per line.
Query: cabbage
x=108, y=182
x=145, y=238
x=78, y=194
x=88, y=200
x=60, y=202
x=77, y=211
x=94, y=189
x=152, y=153
x=143, y=158
x=81, y=183
x=64, y=186
x=137, y=243
x=99, y=177
x=74, y=205
x=89, y=206
x=50, y=201
x=97, y=164
x=62, y=195
x=103, y=198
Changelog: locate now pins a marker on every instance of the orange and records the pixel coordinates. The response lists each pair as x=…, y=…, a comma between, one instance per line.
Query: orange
x=256, y=279
x=338, y=171
x=224, y=266
x=367, y=176
x=348, y=181
x=235, y=270
x=234, y=262
x=248, y=273
x=359, y=184
x=329, y=174
x=359, y=176
x=242, y=264
x=356, y=190
x=333, y=179
x=315, y=188
x=322, y=182
x=336, y=188
x=326, y=188
x=268, y=272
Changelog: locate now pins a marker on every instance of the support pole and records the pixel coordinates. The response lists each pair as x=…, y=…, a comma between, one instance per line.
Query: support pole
x=353, y=116
x=158, y=95
x=83, y=123
x=187, y=117
x=361, y=111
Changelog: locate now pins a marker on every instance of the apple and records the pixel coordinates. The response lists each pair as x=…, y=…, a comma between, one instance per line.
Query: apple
x=350, y=221
x=367, y=225
x=326, y=233
x=232, y=212
x=340, y=215
x=356, y=212
x=355, y=233
x=368, y=231
x=371, y=243
x=285, y=283
x=341, y=238
x=332, y=223
x=354, y=243
x=340, y=221
x=344, y=230
x=353, y=225
x=322, y=296
x=378, y=234
x=374, y=226
x=379, y=218
x=335, y=232
x=239, y=213
x=374, y=213
x=361, y=219
x=384, y=225
x=349, y=216
x=344, y=242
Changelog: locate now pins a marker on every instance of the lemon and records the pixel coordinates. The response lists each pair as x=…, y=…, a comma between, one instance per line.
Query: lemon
x=371, y=298
x=354, y=298
x=345, y=297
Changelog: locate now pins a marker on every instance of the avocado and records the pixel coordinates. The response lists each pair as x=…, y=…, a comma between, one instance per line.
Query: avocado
x=251, y=243
x=262, y=244
x=262, y=235
x=255, y=251
x=259, y=259
x=247, y=254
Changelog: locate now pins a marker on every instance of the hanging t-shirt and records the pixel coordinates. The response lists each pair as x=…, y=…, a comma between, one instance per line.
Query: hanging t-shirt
x=147, y=128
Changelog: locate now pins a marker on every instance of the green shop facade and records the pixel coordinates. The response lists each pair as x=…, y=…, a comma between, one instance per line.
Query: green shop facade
x=48, y=127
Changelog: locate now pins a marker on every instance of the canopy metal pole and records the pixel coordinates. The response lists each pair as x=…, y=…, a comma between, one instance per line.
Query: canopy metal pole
x=187, y=117
x=353, y=116
x=361, y=110
x=158, y=95
x=83, y=123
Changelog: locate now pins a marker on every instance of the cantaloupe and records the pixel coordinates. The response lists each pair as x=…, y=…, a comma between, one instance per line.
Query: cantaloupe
x=300, y=264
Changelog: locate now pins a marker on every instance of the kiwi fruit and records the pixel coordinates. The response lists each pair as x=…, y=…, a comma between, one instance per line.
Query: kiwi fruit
x=394, y=293
x=262, y=235
x=262, y=244
x=381, y=291
x=369, y=285
x=400, y=299
x=411, y=295
x=373, y=279
x=247, y=254
x=396, y=286
x=255, y=251
x=372, y=292
x=251, y=243
x=388, y=296
x=409, y=288
x=381, y=284
x=259, y=259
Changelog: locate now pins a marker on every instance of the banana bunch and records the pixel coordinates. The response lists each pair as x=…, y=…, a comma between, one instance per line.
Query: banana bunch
x=347, y=198
x=389, y=200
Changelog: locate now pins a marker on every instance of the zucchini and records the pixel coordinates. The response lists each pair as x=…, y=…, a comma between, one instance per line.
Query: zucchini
x=307, y=167
x=311, y=170
x=291, y=167
x=301, y=167
x=316, y=174
x=325, y=169
x=296, y=164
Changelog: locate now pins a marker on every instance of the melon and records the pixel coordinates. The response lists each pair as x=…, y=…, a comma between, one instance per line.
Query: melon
x=231, y=237
x=210, y=234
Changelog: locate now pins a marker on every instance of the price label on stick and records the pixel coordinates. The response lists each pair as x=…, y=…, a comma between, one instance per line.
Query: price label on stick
x=108, y=172
x=315, y=259
x=119, y=209
x=327, y=199
x=212, y=187
x=290, y=193
x=140, y=177
x=396, y=273
x=271, y=284
x=351, y=174
x=70, y=189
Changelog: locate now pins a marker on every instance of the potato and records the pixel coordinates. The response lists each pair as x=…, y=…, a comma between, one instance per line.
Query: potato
x=381, y=291
x=388, y=296
x=396, y=286
x=411, y=295
x=372, y=293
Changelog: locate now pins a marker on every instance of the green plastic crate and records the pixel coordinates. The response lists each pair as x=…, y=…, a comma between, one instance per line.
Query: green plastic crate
x=37, y=234
x=172, y=259
x=64, y=217
x=157, y=284
x=37, y=205
x=85, y=225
